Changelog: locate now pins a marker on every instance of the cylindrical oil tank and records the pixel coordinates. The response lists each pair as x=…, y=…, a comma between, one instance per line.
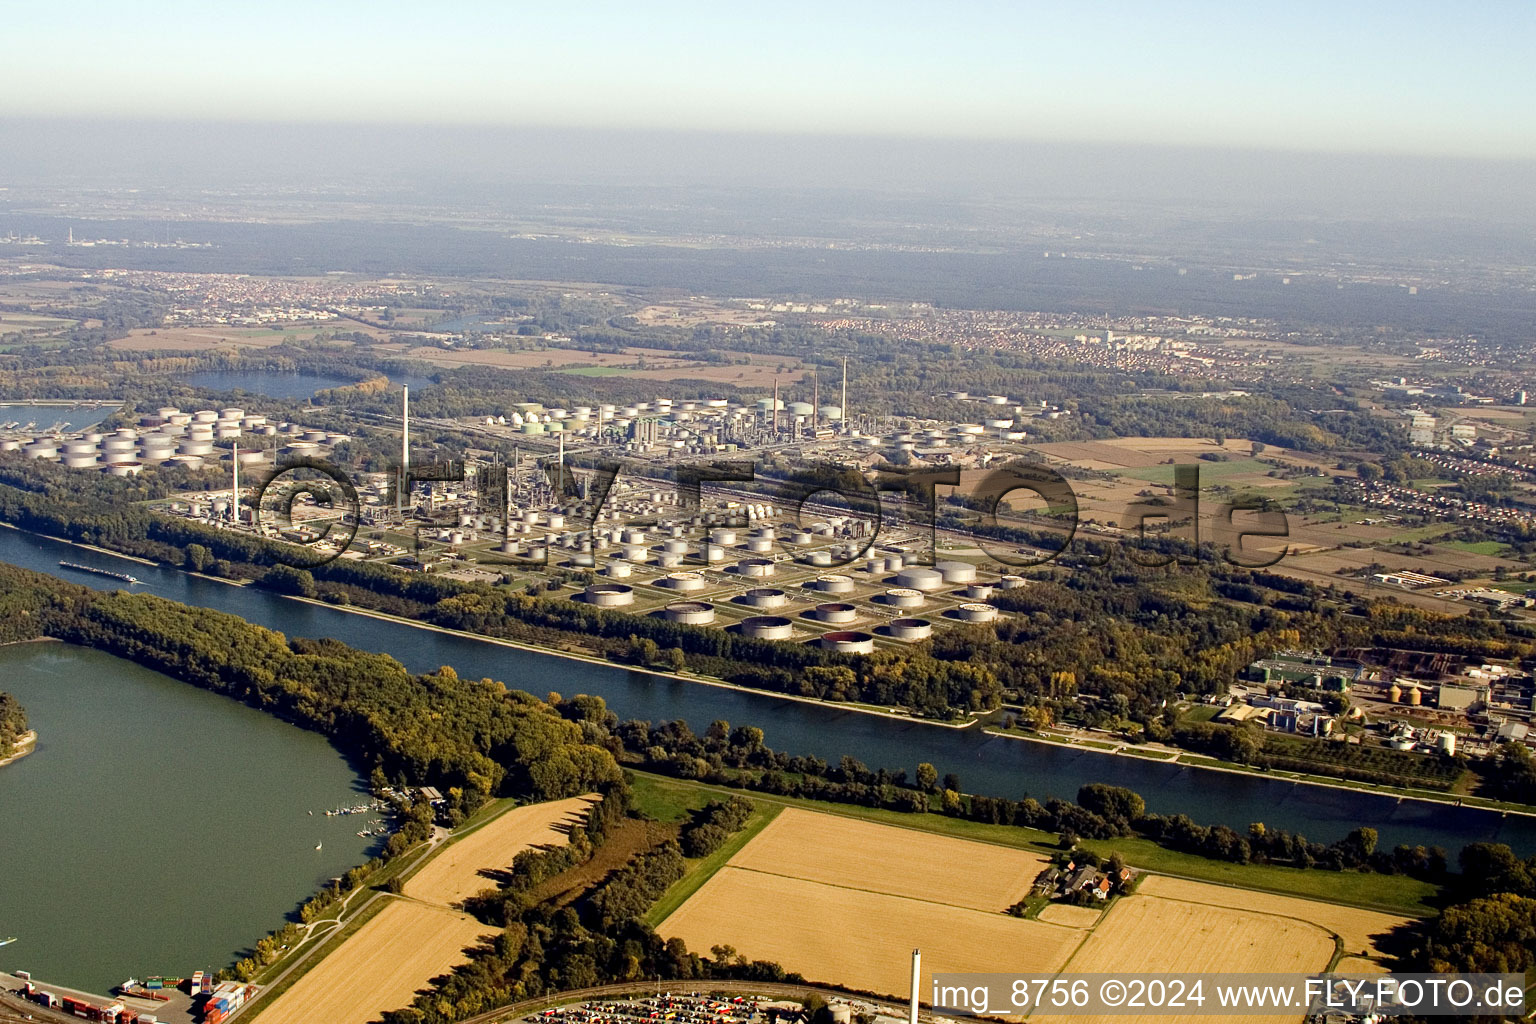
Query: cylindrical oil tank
x=723, y=537
x=919, y=577
x=1010, y=582
x=635, y=552
x=42, y=449
x=976, y=591
x=80, y=460
x=837, y=611
x=205, y=416
x=957, y=572
x=911, y=629
x=976, y=612
x=675, y=547
x=755, y=567
x=231, y=413
x=165, y=412
x=759, y=545
x=848, y=642
x=610, y=595
x=692, y=613
x=13, y=445
x=834, y=584
x=765, y=533
x=633, y=536
x=79, y=448
x=669, y=560
x=819, y=558
x=894, y=563
x=904, y=597
x=765, y=597
x=683, y=581
x=132, y=468
x=801, y=537
x=556, y=521
x=188, y=461
x=618, y=570
x=767, y=627
x=714, y=553
x=119, y=444
x=190, y=447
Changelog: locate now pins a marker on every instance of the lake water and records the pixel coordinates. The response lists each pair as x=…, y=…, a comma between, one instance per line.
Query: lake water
x=278, y=384
x=55, y=417
x=157, y=828
x=985, y=764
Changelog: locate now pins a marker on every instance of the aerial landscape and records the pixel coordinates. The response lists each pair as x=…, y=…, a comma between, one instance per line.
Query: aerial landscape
x=639, y=521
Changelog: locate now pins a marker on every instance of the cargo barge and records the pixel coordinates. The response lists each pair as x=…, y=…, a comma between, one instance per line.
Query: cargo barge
x=100, y=572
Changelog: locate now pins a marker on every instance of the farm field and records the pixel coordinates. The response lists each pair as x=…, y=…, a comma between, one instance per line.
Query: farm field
x=825, y=932
x=1151, y=934
x=898, y=862
x=202, y=339
x=823, y=873
x=380, y=967
x=1071, y=917
x=1359, y=929
x=454, y=873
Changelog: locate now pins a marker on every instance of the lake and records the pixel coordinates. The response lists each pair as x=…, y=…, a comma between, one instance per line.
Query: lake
x=157, y=828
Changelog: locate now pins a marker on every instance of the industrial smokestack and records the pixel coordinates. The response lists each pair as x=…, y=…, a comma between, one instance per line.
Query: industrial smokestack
x=844, y=422
x=405, y=446
x=917, y=977
x=234, y=491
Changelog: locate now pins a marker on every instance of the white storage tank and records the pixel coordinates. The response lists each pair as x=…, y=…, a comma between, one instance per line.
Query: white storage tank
x=919, y=577
x=956, y=572
x=904, y=597
x=834, y=584
x=80, y=460
x=976, y=613
x=765, y=597
x=42, y=449
x=848, y=642
x=692, y=613
x=976, y=591
x=756, y=567
x=758, y=545
x=610, y=595
x=911, y=629
x=683, y=581
x=837, y=611
x=1010, y=582
x=767, y=627
x=132, y=468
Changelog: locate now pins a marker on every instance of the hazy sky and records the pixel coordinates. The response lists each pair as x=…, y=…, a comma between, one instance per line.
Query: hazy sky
x=1400, y=76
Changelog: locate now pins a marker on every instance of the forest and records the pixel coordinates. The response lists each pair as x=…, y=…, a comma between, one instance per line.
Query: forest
x=13, y=723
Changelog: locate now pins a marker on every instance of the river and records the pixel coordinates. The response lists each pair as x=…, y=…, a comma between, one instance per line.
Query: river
x=985, y=764
x=157, y=828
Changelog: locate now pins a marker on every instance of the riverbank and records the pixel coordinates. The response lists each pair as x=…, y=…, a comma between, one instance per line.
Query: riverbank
x=23, y=746
x=1211, y=764
x=591, y=659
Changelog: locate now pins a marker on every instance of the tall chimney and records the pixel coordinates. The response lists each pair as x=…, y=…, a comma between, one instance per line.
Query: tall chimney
x=234, y=491
x=917, y=979
x=405, y=446
x=844, y=421
x=815, y=402
x=775, y=404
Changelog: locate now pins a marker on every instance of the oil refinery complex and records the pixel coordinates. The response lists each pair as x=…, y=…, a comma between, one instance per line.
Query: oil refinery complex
x=530, y=503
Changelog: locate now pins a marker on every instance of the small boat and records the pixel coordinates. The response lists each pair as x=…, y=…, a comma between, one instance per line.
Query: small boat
x=318, y=845
x=7, y=942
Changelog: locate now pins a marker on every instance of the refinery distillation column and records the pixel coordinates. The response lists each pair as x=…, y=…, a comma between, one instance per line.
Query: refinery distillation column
x=917, y=970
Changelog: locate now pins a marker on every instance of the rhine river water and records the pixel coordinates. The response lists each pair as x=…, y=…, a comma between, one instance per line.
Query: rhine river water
x=985, y=764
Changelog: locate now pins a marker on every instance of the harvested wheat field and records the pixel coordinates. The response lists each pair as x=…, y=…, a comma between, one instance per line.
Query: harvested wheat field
x=842, y=851
x=454, y=874
x=1072, y=917
x=1151, y=934
x=379, y=968
x=857, y=938
x=1354, y=926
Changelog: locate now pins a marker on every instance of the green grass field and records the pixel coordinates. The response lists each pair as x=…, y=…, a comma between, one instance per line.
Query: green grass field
x=1210, y=472
x=1481, y=547
x=674, y=798
x=1396, y=894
